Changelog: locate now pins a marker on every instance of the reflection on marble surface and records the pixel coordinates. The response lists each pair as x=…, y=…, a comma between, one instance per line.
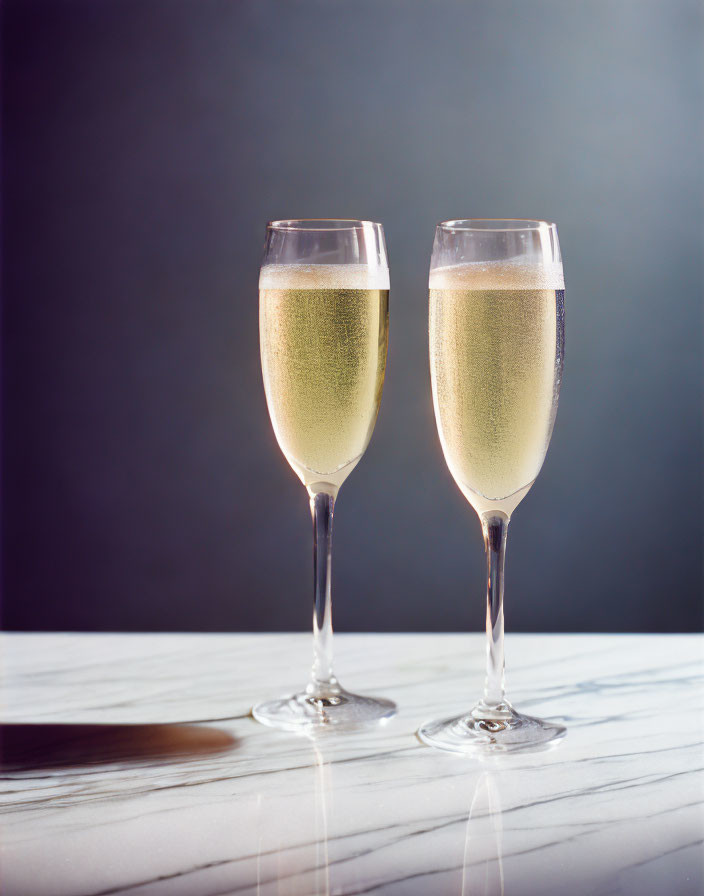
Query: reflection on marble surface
x=130, y=765
x=482, y=866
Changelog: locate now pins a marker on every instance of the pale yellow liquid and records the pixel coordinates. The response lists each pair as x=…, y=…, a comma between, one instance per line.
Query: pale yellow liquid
x=495, y=362
x=323, y=337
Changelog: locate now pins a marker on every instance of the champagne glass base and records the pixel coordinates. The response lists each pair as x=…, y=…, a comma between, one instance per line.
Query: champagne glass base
x=309, y=713
x=490, y=730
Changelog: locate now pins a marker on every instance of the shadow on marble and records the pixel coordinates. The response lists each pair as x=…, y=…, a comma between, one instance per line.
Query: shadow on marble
x=63, y=746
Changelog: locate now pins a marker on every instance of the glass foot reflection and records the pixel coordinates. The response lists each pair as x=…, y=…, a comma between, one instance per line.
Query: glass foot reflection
x=490, y=729
x=309, y=712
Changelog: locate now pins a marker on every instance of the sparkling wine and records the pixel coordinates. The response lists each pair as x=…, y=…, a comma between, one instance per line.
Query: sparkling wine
x=496, y=354
x=323, y=337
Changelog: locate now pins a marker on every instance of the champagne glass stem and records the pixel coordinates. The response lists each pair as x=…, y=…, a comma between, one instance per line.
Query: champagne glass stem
x=323, y=683
x=495, y=529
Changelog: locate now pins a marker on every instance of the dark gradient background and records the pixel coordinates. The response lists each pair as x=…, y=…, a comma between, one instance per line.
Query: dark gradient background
x=146, y=144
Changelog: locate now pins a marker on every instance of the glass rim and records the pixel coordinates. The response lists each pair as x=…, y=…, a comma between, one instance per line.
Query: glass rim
x=321, y=224
x=495, y=225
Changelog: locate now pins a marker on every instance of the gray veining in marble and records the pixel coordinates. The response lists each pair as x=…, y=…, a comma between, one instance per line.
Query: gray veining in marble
x=130, y=765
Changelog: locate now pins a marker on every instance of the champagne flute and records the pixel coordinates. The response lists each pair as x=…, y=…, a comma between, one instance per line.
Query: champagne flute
x=323, y=327
x=496, y=356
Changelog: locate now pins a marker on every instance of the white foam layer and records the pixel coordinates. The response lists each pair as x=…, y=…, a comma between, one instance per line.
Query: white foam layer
x=498, y=275
x=323, y=276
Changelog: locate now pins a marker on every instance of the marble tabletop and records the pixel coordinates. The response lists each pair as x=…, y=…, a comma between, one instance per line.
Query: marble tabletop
x=130, y=765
